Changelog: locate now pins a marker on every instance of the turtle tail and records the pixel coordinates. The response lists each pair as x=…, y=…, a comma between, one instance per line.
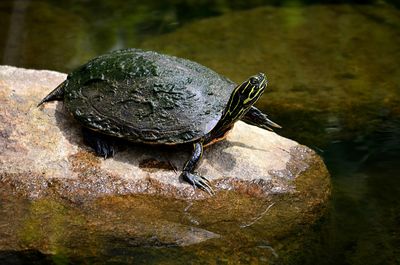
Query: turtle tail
x=56, y=94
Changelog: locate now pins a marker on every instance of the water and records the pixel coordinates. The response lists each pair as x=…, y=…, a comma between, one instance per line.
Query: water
x=334, y=86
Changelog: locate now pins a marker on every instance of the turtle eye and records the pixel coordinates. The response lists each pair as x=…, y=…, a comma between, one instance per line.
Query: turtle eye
x=253, y=80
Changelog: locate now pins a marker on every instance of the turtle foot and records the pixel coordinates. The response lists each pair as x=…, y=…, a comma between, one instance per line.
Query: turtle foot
x=198, y=182
x=104, y=149
x=101, y=144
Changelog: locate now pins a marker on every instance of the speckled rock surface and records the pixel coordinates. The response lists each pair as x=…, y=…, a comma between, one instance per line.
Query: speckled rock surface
x=44, y=162
x=40, y=146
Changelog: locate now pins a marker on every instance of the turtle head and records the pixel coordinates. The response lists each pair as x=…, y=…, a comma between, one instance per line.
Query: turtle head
x=243, y=97
x=251, y=90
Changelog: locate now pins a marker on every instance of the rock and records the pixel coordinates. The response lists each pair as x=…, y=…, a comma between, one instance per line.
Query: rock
x=42, y=150
x=44, y=163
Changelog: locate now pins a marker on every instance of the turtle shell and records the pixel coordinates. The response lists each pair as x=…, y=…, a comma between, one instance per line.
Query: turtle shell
x=144, y=96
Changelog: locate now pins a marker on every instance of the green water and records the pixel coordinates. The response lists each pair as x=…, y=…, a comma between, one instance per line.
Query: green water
x=334, y=72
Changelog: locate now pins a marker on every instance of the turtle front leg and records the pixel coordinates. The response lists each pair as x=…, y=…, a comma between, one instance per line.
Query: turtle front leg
x=102, y=144
x=255, y=117
x=188, y=170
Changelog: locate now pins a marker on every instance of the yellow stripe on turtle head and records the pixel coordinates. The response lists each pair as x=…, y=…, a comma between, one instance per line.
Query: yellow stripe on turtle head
x=244, y=96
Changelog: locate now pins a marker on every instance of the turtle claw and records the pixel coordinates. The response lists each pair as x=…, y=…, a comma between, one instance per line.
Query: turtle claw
x=198, y=182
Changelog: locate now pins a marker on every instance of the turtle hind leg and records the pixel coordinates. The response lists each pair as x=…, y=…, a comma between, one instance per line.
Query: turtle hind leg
x=56, y=94
x=103, y=145
x=188, y=170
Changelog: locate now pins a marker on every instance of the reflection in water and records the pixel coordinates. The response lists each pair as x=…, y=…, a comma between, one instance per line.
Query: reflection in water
x=334, y=73
x=363, y=226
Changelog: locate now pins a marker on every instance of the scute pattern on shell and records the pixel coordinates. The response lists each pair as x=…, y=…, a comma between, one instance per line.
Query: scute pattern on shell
x=147, y=97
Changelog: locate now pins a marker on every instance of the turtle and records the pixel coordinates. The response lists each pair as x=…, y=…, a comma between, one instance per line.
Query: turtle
x=152, y=98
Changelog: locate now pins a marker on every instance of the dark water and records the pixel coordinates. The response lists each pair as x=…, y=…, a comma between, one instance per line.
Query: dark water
x=335, y=86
